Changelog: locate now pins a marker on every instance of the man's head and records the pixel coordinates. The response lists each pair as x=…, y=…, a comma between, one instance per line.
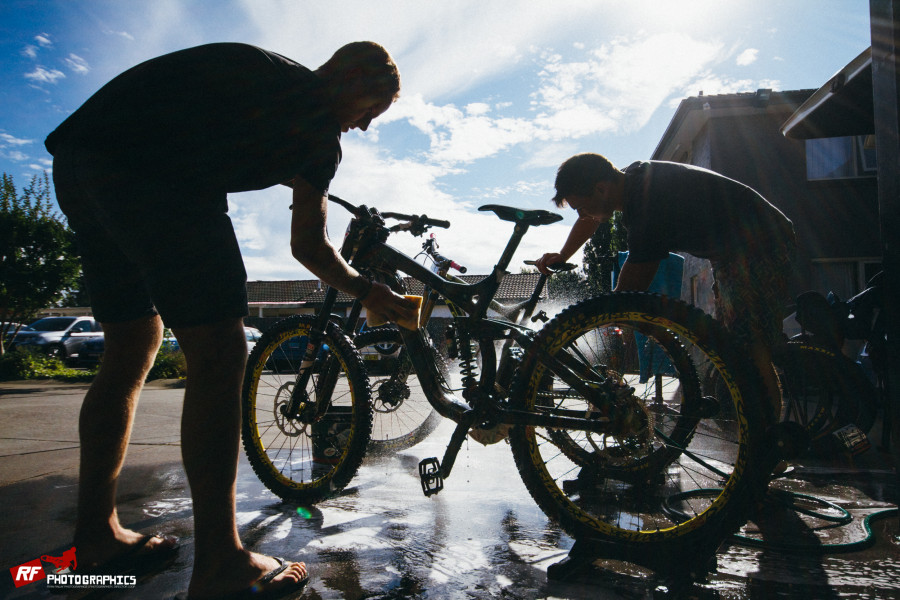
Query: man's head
x=363, y=80
x=579, y=176
x=591, y=185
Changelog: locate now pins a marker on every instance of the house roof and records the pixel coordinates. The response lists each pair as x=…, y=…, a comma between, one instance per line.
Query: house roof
x=841, y=107
x=280, y=291
x=694, y=111
x=515, y=286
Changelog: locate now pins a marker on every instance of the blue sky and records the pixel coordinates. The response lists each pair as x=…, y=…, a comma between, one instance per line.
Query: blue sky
x=495, y=93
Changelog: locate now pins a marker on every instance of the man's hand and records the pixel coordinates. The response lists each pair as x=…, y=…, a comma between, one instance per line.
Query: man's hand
x=550, y=258
x=383, y=302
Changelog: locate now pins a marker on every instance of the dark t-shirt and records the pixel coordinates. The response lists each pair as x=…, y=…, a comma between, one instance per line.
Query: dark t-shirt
x=228, y=117
x=673, y=207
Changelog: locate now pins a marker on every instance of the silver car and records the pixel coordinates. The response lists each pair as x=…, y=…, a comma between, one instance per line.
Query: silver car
x=57, y=336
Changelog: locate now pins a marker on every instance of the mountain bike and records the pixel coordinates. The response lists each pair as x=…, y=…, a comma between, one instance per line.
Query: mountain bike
x=607, y=454
x=836, y=398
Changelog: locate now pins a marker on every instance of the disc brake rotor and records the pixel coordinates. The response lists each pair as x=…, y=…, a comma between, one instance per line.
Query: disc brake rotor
x=288, y=426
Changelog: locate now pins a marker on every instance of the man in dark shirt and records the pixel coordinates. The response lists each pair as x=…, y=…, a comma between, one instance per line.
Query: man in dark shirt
x=672, y=207
x=142, y=170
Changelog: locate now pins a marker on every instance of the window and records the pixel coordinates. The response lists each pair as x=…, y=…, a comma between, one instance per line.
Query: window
x=846, y=278
x=82, y=327
x=840, y=158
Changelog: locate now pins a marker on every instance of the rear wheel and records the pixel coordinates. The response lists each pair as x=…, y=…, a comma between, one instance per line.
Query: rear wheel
x=666, y=434
x=311, y=456
x=402, y=415
x=823, y=390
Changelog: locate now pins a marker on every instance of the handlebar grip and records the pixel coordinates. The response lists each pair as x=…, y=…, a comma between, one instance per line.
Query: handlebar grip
x=398, y=216
x=343, y=203
x=555, y=267
x=421, y=218
x=458, y=267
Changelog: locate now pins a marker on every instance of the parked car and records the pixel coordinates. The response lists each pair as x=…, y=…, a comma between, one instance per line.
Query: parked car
x=9, y=329
x=379, y=360
x=57, y=336
x=91, y=352
x=92, y=349
x=251, y=334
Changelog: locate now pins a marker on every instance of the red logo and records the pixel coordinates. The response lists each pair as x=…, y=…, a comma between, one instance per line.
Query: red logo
x=34, y=570
x=28, y=573
x=62, y=562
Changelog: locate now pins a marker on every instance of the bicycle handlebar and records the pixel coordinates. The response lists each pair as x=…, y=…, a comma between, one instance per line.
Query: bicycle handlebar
x=414, y=223
x=429, y=248
x=452, y=263
x=555, y=267
x=424, y=219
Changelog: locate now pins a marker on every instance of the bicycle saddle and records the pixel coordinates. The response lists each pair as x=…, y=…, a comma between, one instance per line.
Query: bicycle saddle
x=518, y=215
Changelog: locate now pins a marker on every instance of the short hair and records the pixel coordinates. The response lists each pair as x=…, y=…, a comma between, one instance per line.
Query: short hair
x=376, y=64
x=579, y=174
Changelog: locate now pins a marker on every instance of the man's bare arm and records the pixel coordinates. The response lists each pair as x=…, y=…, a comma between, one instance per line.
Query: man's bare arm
x=636, y=277
x=311, y=246
x=581, y=232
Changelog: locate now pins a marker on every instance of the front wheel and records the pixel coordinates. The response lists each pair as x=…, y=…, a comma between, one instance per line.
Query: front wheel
x=639, y=355
x=313, y=456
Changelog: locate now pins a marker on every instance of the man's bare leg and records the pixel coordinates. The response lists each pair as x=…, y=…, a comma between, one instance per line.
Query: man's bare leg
x=210, y=437
x=107, y=415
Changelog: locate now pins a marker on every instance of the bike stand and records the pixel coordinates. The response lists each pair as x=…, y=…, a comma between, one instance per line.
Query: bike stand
x=675, y=576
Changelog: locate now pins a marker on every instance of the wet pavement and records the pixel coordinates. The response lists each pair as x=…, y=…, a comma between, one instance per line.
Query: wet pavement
x=481, y=537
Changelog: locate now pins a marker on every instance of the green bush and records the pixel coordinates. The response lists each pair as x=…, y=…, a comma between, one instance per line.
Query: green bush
x=31, y=364
x=21, y=364
x=169, y=364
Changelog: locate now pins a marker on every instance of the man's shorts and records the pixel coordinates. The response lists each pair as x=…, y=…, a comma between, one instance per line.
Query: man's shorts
x=150, y=244
x=751, y=294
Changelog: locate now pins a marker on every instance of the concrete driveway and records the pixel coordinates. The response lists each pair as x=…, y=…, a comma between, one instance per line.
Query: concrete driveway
x=482, y=537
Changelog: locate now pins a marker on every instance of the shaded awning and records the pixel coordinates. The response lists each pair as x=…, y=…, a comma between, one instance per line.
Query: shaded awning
x=841, y=107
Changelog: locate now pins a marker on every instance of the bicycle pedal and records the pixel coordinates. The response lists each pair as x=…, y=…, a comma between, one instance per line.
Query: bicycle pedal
x=430, y=474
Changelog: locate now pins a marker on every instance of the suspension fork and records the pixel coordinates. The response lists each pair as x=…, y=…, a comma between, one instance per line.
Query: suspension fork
x=329, y=367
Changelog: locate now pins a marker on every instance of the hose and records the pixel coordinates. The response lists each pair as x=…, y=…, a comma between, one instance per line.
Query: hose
x=787, y=498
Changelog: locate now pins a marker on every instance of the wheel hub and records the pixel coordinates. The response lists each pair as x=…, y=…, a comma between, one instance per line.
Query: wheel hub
x=289, y=426
x=390, y=396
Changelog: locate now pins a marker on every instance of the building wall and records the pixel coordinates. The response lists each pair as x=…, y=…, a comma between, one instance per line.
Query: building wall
x=836, y=221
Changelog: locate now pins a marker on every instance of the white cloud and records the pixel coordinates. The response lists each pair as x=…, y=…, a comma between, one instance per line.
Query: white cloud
x=30, y=51
x=44, y=40
x=78, y=64
x=747, y=57
x=475, y=239
x=9, y=140
x=122, y=34
x=614, y=88
x=507, y=87
x=42, y=75
x=14, y=155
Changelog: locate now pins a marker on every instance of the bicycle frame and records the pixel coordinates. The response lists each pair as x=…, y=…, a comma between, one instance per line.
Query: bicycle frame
x=365, y=248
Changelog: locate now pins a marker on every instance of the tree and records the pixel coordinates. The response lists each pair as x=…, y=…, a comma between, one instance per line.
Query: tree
x=38, y=262
x=601, y=254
